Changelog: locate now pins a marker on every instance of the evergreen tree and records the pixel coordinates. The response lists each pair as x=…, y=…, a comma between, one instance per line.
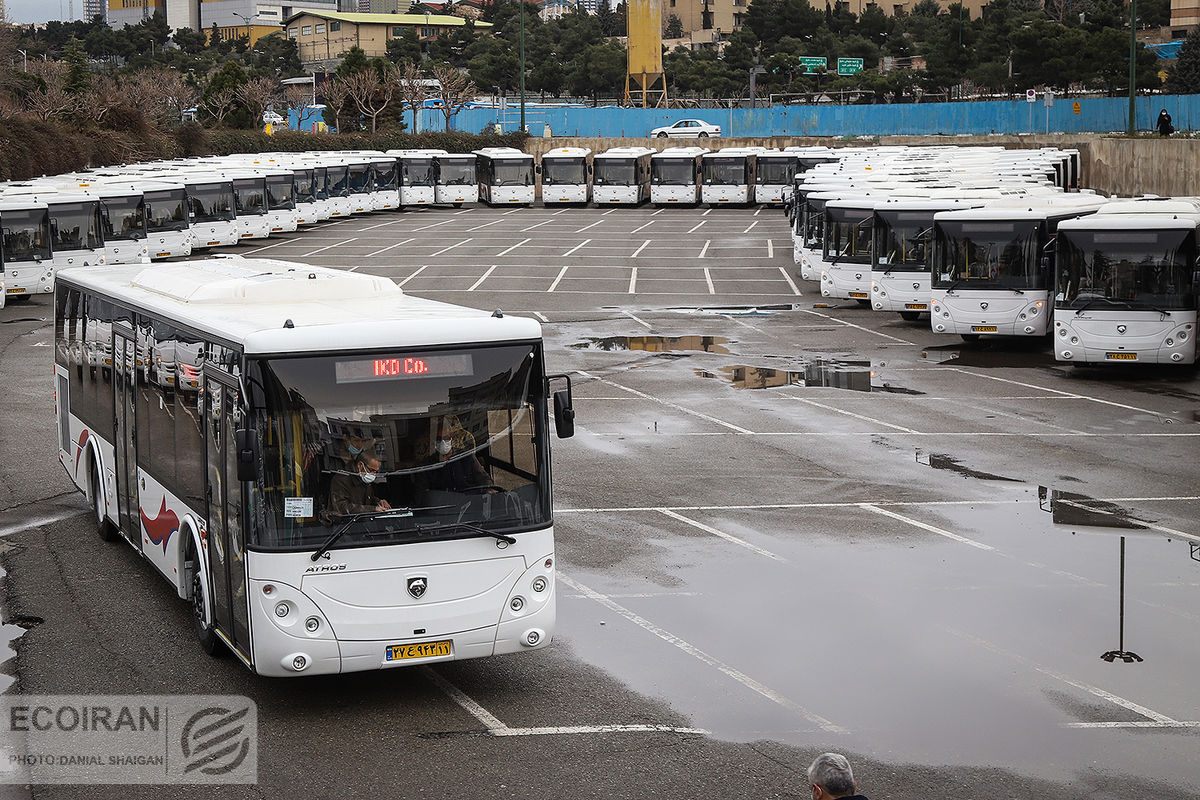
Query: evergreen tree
x=1184, y=77
x=79, y=77
x=674, y=28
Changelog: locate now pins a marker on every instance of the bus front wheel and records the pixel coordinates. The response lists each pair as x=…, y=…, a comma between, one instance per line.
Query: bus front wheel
x=205, y=633
x=103, y=527
x=910, y=316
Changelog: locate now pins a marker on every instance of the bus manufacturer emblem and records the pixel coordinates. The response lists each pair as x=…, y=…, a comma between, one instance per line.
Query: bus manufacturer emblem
x=417, y=587
x=1120, y=329
x=916, y=286
x=983, y=306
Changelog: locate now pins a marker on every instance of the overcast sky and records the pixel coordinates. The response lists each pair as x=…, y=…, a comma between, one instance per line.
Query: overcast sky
x=22, y=12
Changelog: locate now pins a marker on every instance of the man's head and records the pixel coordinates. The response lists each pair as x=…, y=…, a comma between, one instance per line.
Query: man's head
x=367, y=467
x=831, y=777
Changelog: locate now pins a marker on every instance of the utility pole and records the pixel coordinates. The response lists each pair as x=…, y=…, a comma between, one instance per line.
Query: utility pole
x=522, y=6
x=1132, y=65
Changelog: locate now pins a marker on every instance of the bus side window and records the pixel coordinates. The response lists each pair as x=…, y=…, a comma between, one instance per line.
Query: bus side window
x=189, y=426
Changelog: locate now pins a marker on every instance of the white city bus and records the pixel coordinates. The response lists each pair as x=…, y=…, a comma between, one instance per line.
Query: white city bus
x=168, y=219
x=728, y=175
x=992, y=267
x=212, y=209
x=123, y=219
x=25, y=241
x=250, y=205
x=330, y=496
x=418, y=177
x=337, y=189
x=774, y=172
x=566, y=173
x=281, y=199
x=675, y=176
x=455, y=180
x=621, y=176
x=385, y=172
x=76, y=232
x=846, y=266
x=505, y=176
x=1126, y=290
x=360, y=184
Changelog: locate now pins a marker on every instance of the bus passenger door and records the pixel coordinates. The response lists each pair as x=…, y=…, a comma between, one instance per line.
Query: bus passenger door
x=226, y=535
x=124, y=437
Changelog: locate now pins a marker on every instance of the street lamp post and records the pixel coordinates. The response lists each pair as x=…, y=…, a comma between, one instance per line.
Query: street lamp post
x=522, y=6
x=248, y=21
x=1132, y=64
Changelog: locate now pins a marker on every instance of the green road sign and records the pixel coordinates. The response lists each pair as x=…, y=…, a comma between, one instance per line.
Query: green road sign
x=813, y=63
x=849, y=66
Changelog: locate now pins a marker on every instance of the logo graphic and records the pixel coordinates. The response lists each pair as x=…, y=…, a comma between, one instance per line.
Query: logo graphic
x=215, y=741
x=161, y=528
x=983, y=306
x=916, y=286
x=1120, y=329
x=417, y=587
x=83, y=437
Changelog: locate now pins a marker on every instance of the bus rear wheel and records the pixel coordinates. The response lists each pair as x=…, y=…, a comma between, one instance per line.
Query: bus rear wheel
x=205, y=634
x=106, y=529
x=910, y=316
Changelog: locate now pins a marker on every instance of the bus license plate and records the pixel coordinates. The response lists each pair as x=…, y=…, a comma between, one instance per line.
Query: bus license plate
x=983, y=328
x=213, y=244
x=1121, y=356
x=402, y=652
x=15, y=291
x=915, y=306
x=858, y=295
x=163, y=255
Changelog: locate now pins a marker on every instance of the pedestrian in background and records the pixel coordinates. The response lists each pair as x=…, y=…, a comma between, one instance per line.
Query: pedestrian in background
x=1164, y=123
x=832, y=778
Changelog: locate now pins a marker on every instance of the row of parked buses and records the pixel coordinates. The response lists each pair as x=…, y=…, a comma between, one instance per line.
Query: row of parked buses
x=996, y=243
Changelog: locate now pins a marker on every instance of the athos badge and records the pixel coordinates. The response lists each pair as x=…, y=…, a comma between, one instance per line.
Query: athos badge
x=417, y=587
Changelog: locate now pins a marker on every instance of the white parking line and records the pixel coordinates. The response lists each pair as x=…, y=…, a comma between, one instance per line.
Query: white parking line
x=268, y=247
x=791, y=283
x=633, y=280
x=656, y=213
x=771, y=250
x=585, y=227
x=641, y=322
x=851, y=414
x=464, y=211
x=558, y=278
x=1152, y=526
x=537, y=225
x=637, y=252
x=327, y=247
x=389, y=247
x=514, y=247
x=39, y=521
x=925, y=527
x=483, y=277
x=610, y=211
x=861, y=328
x=708, y=279
x=638, y=228
x=484, y=225
x=697, y=226
x=707, y=212
x=752, y=224
x=514, y=211
x=415, y=274
x=704, y=249
x=434, y=225
x=759, y=211
x=380, y=225
x=1059, y=392
x=666, y=403
x=451, y=247
x=695, y=652
x=726, y=536
x=576, y=247
x=880, y=503
x=540, y=316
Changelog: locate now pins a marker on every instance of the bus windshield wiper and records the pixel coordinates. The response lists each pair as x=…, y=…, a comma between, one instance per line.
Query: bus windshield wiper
x=1108, y=300
x=468, y=526
x=349, y=519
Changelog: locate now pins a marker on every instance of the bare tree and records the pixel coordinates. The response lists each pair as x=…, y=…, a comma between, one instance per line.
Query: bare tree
x=300, y=100
x=52, y=99
x=455, y=90
x=336, y=94
x=371, y=95
x=104, y=95
x=153, y=93
x=219, y=104
x=257, y=94
x=412, y=90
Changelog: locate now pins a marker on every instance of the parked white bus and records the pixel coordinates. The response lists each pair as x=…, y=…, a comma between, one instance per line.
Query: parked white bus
x=76, y=232
x=992, y=267
x=455, y=180
x=123, y=221
x=774, y=172
x=250, y=205
x=846, y=266
x=25, y=242
x=621, y=176
x=360, y=184
x=331, y=496
x=566, y=173
x=168, y=222
x=418, y=176
x=212, y=209
x=729, y=175
x=385, y=172
x=505, y=176
x=1126, y=289
x=675, y=176
x=281, y=199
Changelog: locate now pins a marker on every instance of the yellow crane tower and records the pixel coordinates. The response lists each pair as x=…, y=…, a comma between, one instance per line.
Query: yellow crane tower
x=645, y=83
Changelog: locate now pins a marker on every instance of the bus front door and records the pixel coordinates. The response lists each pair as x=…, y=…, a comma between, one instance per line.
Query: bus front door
x=124, y=433
x=226, y=535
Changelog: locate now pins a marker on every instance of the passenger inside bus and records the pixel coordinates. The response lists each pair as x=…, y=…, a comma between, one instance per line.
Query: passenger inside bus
x=450, y=447
x=352, y=492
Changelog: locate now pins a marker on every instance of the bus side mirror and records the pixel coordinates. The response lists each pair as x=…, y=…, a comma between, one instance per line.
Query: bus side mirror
x=564, y=409
x=246, y=441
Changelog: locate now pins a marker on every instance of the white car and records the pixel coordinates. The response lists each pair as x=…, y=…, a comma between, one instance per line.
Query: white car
x=688, y=129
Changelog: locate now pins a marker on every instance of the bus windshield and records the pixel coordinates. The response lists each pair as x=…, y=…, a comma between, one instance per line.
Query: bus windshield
x=75, y=226
x=902, y=239
x=673, y=172
x=990, y=254
x=814, y=222
x=418, y=172
x=1127, y=269
x=613, y=172
x=512, y=173
x=386, y=175
x=359, y=177
x=211, y=202
x=166, y=211
x=848, y=237
x=123, y=218
x=26, y=235
x=456, y=173
x=304, y=181
x=727, y=171
x=776, y=171
x=571, y=171
x=279, y=192
x=251, y=196
x=337, y=181
x=457, y=436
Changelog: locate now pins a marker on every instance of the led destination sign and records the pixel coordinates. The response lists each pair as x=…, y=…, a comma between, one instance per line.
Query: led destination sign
x=403, y=368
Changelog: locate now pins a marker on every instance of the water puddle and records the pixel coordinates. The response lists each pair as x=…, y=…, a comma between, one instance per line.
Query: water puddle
x=943, y=461
x=1011, y=353
x=1071, y=508
x=836, y=374
x=656, y=344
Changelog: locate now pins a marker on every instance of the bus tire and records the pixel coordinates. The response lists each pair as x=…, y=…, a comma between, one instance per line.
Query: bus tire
x=862, y=302
x=206, y=635
x=458, y=205
x=910, y=316
x=969, y=337
x=104, y=527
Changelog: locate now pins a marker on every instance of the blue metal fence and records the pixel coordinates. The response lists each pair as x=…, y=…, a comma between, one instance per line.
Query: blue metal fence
x=1095, y=115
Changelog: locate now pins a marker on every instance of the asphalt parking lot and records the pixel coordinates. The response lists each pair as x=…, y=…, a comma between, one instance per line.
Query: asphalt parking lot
x=783, y=528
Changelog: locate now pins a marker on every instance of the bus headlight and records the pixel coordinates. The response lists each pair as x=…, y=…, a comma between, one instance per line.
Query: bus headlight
x=312, y=624
x=540, y=584
x=1062, y=331
x=1170, y=342
x=282, y=610
x=1074, y=340
x=532, y=637
x=517, y=604
x=1066, y=354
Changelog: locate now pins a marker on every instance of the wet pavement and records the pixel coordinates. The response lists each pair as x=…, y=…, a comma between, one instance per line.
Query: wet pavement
x=896, y=546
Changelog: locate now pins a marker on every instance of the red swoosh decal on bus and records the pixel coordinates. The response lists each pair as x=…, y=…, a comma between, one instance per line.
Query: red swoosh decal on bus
x=83, y=437
x=162, y=526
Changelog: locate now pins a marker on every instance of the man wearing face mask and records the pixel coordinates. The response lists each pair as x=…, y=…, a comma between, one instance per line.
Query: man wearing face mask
x=352, y=493
x=460, y=470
